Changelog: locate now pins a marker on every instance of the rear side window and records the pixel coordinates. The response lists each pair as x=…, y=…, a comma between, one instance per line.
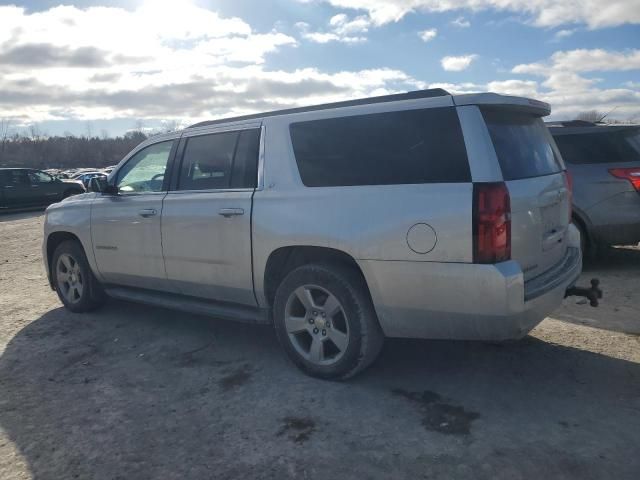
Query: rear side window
x=16, y=178
x=522, y=143
x=220, y=160
x=406, y=147
x=601, y=146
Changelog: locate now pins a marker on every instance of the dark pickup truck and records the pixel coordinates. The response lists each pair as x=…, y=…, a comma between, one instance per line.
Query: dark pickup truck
x=25, y=187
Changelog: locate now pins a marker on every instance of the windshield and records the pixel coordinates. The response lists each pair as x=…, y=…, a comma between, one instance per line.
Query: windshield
x=601, y=146
x=524, y=146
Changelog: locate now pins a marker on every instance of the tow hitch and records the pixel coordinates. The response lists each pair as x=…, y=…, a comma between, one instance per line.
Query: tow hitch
x=592, y=294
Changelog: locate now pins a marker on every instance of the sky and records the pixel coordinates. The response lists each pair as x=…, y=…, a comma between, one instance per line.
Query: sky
x=104, y=68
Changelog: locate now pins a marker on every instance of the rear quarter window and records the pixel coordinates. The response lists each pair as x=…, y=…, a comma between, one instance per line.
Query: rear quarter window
x=523, y=144
x=600, y=146
x=403, y=147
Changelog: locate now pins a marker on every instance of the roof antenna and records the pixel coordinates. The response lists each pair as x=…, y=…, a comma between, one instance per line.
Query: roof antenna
x=606, y=114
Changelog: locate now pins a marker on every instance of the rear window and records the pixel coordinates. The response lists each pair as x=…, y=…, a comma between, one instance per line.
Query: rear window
x=524, y=146
x=602, y=146
x=406, y=147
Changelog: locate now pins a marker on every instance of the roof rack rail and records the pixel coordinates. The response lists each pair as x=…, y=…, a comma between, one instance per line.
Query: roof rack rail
x=429, y=93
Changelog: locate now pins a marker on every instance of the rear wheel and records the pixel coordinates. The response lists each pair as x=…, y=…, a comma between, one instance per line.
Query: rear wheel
x=325, y=321
x=75, y=284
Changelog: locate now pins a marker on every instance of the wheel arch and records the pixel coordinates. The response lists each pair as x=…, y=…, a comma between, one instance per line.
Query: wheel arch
x=53, y=240
x=283, y=260
x=583, y=224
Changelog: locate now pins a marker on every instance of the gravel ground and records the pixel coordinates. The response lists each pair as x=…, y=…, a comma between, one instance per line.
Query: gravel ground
x=138, y=392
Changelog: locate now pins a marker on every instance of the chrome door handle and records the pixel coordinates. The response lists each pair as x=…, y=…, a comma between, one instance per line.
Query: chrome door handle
x=231, y=212
x=147, y=212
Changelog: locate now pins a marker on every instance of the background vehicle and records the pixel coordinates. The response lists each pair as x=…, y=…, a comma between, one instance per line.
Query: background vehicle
x=414, y=215
x=604, y=161
x=23, y=187
x=85, y=177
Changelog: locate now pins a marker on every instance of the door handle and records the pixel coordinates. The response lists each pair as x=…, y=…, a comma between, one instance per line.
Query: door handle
x=147, y=212
x=231, y=212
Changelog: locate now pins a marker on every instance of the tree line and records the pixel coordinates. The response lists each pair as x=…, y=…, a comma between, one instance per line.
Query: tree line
x=41, y=152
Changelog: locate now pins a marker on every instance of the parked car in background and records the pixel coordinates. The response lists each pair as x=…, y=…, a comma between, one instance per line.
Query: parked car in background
x=604, y=162
x=423, y=215
x=85, y=177
x=24, y=187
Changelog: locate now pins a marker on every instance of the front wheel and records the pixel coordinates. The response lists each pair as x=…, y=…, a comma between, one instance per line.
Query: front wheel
x=74, y=282
x=325, y=321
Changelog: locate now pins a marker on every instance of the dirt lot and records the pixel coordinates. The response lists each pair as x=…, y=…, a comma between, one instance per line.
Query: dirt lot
x=132, y=392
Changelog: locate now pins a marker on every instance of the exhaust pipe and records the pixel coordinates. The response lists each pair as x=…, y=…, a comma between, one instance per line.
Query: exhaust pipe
x=593, y=294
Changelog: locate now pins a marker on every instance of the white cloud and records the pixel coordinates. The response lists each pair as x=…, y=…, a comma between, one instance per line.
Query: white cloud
x=342, y=29
x=560, y=34
x=584, y=60
x=428, y=35
x=457, y=64
x=544, y=13
x=565, y=86
x=461, y=22
x=106, y=62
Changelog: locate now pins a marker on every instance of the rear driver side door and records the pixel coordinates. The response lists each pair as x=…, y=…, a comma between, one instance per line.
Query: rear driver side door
x=206, y=218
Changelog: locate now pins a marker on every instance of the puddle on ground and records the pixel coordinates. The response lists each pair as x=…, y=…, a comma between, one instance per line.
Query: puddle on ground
x=298, y=429
x=235, y=378
x=439, y=416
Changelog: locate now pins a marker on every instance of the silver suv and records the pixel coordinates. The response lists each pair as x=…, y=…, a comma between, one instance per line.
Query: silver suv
x=414, y=215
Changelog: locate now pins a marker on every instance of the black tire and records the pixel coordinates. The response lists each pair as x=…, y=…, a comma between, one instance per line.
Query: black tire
x=91, y=294
x=365, y=337
x=587, y=246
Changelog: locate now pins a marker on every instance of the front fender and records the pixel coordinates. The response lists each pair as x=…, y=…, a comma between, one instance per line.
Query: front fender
x=71, y=217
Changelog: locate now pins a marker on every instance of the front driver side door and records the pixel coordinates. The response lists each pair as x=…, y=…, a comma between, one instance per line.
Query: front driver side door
x=125, y=228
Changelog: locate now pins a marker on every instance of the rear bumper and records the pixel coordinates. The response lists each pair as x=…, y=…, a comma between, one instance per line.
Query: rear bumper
x=467, y=301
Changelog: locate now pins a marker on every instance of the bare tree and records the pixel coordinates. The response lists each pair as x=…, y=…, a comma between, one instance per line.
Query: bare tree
x=5, y=125
x=34, y=132
x=89, y=129
x=595, y=116
x=139, y=126
x=590, y=116
x=169, y=126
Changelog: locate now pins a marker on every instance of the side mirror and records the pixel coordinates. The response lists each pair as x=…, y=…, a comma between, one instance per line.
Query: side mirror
x=101, y=185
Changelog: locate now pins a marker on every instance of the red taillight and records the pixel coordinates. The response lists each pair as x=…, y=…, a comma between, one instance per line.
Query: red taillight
x=631, y=174
x=491, y=223
x=568, y=180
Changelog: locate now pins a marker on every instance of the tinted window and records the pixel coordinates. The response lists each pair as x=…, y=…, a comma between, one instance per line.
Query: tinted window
x=16, y=178
x=407, y=147
x=601, y=147
x=245, y=164
x=144, y=172
x=221, y=160
x=39, y=177
x=523, y=144
x=207, y=162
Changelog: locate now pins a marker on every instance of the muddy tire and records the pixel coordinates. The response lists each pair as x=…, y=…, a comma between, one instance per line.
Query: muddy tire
x=74, y=282
x=325, y=321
